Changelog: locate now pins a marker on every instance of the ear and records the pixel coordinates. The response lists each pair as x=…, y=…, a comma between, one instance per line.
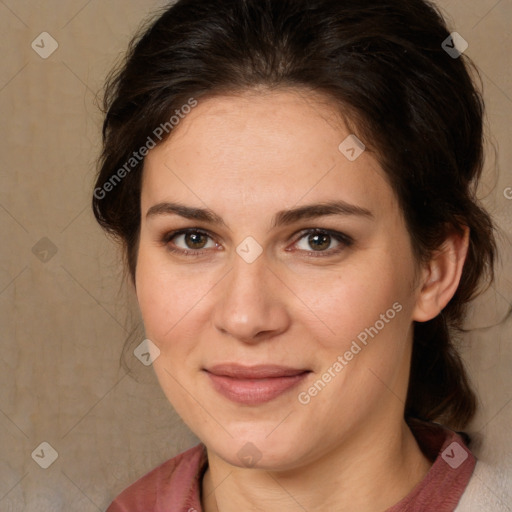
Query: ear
x=441, y=276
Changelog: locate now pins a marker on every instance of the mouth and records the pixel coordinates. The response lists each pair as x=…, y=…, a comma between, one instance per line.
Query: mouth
x=254, y=385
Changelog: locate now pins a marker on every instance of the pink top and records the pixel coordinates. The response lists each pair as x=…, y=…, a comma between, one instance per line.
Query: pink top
x=175, y=486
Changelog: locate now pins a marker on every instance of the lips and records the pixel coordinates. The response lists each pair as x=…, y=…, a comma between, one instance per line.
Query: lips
x=253, y=385
x=254, y=372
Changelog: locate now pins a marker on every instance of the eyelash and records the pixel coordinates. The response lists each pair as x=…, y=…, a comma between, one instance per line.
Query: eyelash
x=344, y=240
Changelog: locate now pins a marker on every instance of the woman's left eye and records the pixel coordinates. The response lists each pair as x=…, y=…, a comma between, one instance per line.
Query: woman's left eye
x=322, y=241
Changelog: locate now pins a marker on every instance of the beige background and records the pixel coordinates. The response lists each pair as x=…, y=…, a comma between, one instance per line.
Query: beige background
x=64, y=315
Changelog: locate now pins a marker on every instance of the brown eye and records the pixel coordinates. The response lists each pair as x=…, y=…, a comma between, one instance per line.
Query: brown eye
x=195, y=240
x=189, y=241
x=321, y=241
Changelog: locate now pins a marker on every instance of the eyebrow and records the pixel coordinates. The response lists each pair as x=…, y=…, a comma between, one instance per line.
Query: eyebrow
x=283, y=217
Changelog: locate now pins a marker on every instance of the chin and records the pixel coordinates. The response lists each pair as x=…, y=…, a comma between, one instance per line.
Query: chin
x=260, y=451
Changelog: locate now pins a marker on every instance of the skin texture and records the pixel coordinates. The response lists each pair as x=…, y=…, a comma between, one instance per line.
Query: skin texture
x=247, y=157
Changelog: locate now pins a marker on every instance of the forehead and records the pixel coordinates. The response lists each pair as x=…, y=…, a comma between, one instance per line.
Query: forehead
x=275, y=149
x=257, y=124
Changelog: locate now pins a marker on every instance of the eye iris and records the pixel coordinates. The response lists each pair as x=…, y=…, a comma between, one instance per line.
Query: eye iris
x=319, y=241
x=195, y=240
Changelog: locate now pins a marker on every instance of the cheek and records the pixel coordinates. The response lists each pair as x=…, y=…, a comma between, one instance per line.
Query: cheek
x=162, y=298
x=348, y=300
x=171, y=300
x=364, y=350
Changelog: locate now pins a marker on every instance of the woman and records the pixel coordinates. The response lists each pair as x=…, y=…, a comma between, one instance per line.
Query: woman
x=293, y=182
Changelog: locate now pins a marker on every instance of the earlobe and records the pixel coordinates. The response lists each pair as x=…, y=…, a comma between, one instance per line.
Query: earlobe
x=441, y=276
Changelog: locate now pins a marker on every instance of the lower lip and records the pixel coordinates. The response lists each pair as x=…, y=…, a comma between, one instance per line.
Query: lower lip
x=254, y=391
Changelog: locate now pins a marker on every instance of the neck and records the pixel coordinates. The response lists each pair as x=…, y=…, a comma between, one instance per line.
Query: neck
x=375, y=469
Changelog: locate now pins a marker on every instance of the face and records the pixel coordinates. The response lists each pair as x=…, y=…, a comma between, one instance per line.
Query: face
x=276, y=277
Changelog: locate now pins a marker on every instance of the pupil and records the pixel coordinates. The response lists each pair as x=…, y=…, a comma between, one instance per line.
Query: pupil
x=319, y=241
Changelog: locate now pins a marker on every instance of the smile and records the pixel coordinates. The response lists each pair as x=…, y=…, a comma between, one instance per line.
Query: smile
x=254, y=385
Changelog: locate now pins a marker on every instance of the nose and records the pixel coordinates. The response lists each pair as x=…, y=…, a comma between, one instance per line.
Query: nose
x=251, y=303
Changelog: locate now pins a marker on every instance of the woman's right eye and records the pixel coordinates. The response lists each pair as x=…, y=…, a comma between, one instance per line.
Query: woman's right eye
x=189, y=242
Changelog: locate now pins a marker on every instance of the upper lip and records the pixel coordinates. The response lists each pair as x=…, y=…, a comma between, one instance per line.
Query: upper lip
x=261, y=371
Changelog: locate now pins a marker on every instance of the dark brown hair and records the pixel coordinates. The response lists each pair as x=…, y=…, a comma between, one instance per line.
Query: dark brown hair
x=411, y=102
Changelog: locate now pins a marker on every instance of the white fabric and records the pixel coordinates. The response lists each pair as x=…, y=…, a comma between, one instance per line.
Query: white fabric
x=485, y=490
